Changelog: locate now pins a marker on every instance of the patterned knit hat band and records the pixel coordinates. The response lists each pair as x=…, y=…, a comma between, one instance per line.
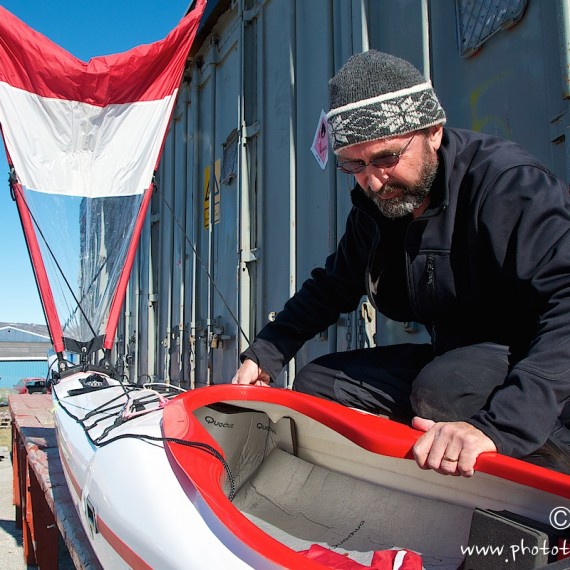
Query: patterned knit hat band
x=377, y=96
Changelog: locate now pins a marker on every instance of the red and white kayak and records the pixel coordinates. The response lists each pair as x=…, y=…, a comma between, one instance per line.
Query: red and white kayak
x=251, y=477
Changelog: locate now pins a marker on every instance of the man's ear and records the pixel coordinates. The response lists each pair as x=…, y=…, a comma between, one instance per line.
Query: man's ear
x=435, y=135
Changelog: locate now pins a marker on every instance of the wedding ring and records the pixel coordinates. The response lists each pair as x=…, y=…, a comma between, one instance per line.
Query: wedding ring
x=445, y=458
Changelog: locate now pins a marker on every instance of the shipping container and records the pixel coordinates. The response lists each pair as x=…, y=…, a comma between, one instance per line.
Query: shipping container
x=247, y=206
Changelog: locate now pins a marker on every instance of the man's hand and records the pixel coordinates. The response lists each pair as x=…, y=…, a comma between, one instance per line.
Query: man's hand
x=250, y=373
x=450, y=448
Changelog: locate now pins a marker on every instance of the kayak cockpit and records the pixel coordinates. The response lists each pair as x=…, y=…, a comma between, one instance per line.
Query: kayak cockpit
x=302, y=482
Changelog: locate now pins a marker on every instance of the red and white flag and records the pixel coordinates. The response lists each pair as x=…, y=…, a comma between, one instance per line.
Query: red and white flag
x=91, y=128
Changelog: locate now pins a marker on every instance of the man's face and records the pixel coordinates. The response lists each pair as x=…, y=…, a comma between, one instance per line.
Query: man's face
x=401, y=189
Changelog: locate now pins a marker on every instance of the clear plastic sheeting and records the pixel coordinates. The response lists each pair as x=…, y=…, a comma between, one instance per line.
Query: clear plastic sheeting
x=84, y=242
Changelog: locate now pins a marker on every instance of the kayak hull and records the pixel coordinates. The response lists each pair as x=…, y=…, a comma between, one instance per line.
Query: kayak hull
x=249, y=477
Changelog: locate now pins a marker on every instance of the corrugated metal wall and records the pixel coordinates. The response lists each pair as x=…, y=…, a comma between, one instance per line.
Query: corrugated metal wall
x=244, y=210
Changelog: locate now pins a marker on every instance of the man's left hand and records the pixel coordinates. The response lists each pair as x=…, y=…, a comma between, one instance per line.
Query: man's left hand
x=450, y=448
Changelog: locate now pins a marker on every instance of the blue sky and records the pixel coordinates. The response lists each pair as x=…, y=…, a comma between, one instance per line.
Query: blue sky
x=86, y=29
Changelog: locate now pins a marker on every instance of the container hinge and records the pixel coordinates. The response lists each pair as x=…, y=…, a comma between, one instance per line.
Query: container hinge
x=249, y=256
x=558, y=127
x=251, y=14
x=250, y=131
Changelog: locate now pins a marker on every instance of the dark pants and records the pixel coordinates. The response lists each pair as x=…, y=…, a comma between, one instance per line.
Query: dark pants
x=405, y=380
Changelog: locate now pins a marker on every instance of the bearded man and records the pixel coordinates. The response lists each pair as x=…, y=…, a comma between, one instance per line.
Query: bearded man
x=463, y=232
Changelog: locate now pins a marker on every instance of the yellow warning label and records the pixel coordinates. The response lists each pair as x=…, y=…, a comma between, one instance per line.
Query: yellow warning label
x=206, y=197
x=217, y=193
x=210, y=193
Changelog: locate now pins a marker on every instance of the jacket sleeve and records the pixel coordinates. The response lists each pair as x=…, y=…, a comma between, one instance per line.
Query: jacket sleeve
x=526, y=220
x=337, y=288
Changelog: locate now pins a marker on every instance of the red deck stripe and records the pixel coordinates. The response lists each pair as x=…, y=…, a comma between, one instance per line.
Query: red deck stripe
x=122, y=549
x=69, y=473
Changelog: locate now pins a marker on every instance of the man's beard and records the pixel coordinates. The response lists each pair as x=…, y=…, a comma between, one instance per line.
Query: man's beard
x=409, y=197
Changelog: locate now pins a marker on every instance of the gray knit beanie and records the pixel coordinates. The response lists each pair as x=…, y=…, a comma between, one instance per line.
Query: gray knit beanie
x=376, y=95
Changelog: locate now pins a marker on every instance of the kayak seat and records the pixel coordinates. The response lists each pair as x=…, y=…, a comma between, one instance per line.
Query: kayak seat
x=246, y=437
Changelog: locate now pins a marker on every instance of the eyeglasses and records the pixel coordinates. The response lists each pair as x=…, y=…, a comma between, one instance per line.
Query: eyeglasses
x=384, y=161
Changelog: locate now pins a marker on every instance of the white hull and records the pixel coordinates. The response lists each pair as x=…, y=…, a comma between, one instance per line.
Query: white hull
x=151, y=517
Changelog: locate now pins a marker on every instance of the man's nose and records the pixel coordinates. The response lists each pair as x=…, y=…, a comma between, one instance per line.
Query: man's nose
x=377, y=178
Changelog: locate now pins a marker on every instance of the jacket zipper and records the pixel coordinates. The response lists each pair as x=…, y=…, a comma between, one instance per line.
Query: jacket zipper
x=430, y=272
x=430, y=284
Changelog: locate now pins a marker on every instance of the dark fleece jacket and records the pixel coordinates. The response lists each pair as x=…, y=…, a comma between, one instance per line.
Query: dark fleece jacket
x=488, y=261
